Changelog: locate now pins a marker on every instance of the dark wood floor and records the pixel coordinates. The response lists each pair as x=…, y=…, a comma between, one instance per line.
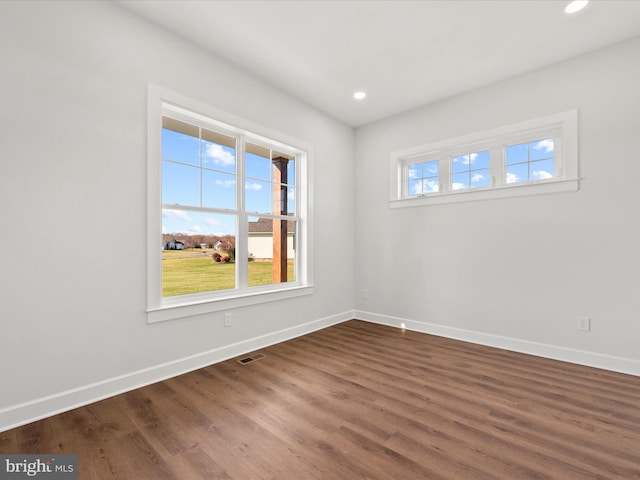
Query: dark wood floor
x=356, y=401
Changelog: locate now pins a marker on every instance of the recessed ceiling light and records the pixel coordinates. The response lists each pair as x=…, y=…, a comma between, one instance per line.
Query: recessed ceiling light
x=576, y=6
x=359, y=95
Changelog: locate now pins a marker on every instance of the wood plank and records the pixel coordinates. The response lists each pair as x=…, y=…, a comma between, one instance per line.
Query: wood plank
x=359, y=400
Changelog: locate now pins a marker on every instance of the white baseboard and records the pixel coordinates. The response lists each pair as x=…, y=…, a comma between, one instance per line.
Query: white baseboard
x=21, y=414
x=580, y=357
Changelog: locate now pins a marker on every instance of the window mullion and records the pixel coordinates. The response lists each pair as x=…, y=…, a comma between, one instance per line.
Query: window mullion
x=558, y=165
x=445, y=173
x=497, y=165
x=242, y=233
x=201, y=162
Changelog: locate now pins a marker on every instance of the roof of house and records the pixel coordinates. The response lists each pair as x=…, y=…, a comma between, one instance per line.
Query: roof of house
x=265, y=225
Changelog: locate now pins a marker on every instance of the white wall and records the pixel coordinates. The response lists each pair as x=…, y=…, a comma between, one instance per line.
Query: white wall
x=73, y=184
x=261, y=246
x=516, y=272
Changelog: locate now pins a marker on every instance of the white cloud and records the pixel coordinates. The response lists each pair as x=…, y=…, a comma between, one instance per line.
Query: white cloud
x=164, y=229
x=465, y=159
x=547, y=145
x=457, y=186
x=180, y=214
x=195, y=229
x=226, y=183
x=541, y=175
x=462, y=159
x=253, y=186
x=476, y=177
x=430, y=186
x=212, y=222
x=512, y=178
x=219, y=155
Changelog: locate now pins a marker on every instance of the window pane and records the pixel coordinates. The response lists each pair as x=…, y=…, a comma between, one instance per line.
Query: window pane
x=517, y=154
x=415, y=170
x=180, y=184
x=479, y=160
x=542, y=149
x=271, y=251
x=431, y=168
x=291, y=177
x=258, y=163
x=218, y=190
x=291, y=200
x=541, y=170
x=517, y=173
x=415, y=187
x=423, y=178
x=460, y=181
x=460, y=163
x=258, y=196
x=218, y=151
x=218, y=157
x=198, y=252
x=480, y=178
x=179, y=146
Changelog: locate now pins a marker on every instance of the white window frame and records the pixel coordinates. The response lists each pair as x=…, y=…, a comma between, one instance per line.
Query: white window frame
x=561, y=127
x=162, y=101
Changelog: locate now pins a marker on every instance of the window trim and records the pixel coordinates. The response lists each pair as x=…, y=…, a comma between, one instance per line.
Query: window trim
x=561, y=126
x=160, y=309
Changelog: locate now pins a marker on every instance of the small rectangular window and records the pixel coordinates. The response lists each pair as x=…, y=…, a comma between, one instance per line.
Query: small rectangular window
x=530, y=162
x=470, y=170
x=541, y=154
x=423, y=178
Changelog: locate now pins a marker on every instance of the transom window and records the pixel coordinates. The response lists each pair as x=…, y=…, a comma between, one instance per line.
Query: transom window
x=470, y=170
x=531, y=161
x=540, y=154
x=423, y=177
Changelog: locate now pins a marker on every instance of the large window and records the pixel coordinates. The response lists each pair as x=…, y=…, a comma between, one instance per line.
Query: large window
x=228, y=223
x=532, y=157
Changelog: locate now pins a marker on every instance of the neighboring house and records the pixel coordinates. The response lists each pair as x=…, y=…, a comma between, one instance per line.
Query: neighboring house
x=174, y=245
x=261, y=239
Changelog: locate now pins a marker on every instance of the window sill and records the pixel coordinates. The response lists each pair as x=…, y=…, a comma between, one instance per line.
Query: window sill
x=183, y=310
x=508, y=191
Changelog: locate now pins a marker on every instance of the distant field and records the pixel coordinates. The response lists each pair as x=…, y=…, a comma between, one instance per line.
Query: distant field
x=183, y=274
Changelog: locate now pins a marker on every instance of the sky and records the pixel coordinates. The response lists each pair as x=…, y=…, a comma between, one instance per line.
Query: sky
x=200, y=173
x=525, y=162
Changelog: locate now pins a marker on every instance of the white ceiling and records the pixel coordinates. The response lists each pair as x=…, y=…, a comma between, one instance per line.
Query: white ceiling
x=402, y=53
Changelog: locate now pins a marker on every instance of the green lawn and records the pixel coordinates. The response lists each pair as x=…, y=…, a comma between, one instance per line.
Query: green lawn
x=184, y=275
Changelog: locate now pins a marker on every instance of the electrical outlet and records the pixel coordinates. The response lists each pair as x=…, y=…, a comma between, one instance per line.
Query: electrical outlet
x=584, y=324
x=365, y=293
x=227, y=319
